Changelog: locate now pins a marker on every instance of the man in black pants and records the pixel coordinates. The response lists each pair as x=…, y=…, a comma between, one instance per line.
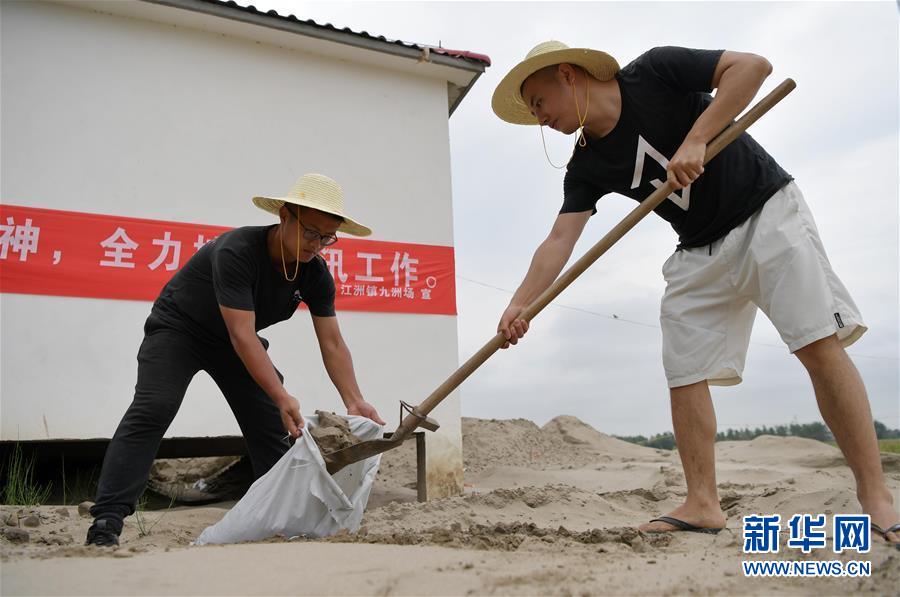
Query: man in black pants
x=206, y=318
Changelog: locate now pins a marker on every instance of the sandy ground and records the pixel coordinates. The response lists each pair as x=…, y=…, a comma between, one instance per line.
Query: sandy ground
x=547, y=510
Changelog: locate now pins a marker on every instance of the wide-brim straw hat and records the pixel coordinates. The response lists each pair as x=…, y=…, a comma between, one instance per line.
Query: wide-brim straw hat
x=508, y=103
x=318, y=192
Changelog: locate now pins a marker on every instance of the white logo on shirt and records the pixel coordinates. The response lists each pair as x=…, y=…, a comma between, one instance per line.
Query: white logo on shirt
x=644, y=148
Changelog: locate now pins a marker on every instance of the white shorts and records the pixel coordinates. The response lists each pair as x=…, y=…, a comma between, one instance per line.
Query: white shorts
x=774, y=261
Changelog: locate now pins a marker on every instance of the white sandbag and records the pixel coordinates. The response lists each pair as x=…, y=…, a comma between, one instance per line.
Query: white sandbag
x=298, y=496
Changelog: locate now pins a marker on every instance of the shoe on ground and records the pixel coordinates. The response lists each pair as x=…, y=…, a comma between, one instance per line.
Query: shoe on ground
x=102, y=534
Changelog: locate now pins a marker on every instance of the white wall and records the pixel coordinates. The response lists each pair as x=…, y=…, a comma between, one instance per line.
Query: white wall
x=117, y=115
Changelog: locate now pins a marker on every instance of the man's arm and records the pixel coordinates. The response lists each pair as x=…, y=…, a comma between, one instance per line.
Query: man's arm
x=737, y=78
x=548, y=261
x=242, y=332
x=339, y=364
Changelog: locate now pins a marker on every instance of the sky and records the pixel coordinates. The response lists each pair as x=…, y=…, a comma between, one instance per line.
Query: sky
x=595, y=353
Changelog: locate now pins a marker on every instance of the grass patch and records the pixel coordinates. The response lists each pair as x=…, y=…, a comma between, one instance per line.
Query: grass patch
x=21, y=488
x=889, y=445
x=144, y=528
x=143, y=531
x=884, y=445
x=79, y=487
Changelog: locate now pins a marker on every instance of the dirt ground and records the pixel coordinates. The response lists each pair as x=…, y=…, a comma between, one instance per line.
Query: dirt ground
x=549, y=510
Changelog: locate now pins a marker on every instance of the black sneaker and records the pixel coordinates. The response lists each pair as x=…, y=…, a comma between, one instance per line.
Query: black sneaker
x=102, y=534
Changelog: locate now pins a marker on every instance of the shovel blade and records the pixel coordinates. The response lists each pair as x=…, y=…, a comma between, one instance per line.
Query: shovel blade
x=338, y=459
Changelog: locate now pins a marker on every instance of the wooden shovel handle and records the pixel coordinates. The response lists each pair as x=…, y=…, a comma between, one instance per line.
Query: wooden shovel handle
x=562, y=282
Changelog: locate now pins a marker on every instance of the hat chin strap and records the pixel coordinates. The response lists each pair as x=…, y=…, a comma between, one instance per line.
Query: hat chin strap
x=581, y=119
x=581, y=141
x=281, y=244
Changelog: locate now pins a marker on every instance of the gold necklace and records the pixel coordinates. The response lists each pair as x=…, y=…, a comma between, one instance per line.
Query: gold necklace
x=281, y=244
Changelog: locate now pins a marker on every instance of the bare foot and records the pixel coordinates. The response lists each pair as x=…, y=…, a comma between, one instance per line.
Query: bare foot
x=710, y=517
x=881, y=510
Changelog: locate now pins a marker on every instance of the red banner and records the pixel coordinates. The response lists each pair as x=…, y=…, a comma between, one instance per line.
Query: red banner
x=64, y=253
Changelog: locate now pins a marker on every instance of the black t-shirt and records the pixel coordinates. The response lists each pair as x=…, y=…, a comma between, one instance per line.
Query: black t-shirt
x=663, y=92
x=234, y=270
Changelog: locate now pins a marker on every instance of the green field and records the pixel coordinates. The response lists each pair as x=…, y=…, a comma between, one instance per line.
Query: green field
x=884, y=445
x=889, y=445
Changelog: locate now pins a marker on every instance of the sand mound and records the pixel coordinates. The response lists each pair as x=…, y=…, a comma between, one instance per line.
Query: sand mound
x=548, y=506
x=549, y=510
x=890, y=462
x=188, y=470
x=576, y=432
x=59, y=531
x=514, y=537
x=770, y=450
x=396, y=478
x=516, y=442
x=201, y=480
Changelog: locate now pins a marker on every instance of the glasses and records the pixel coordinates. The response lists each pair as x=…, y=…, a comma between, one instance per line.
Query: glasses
x=311, y=235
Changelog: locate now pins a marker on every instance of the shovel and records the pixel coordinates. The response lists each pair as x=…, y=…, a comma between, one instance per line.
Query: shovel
x=417, y=416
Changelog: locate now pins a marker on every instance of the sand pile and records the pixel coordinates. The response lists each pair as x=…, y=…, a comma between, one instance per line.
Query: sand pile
x=396, y=479
x=548, y=507
x=189, y=470
x=549, y=510
x=513, y=537
x=201, y=480
x=515, y=442
x=563, y=441
x=792, y=451
x=38, y=525
x=58, y=531
x=575, y=431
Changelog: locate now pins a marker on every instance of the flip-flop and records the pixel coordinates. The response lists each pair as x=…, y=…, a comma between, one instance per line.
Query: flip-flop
x=883, y=532
x=684, y=526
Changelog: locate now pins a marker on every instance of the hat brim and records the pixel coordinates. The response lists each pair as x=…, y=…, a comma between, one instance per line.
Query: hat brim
x=348, y=226
x=507, y=101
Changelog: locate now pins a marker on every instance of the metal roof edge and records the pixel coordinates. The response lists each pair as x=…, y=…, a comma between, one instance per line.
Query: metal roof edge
x=231, y=10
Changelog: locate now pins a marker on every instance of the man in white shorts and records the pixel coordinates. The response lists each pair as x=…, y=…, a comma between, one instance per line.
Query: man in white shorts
x=746, y=240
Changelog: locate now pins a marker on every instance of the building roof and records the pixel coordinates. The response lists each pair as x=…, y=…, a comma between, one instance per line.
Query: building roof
x=472, y=63
x=462, y=54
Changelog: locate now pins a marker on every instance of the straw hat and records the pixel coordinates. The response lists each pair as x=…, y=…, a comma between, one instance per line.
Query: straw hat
x=508, y=103
x=318, y=192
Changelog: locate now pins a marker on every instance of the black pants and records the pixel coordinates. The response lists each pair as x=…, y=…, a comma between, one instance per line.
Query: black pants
x=167, y=361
